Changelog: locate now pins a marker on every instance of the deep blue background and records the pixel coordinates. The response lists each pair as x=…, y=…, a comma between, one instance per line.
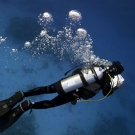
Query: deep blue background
x=111, y=24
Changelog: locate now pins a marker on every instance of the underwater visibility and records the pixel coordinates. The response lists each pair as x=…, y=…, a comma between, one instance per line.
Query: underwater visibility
x=72, y=43
x=69, y=63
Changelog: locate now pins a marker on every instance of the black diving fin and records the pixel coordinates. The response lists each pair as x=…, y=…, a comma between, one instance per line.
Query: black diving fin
x=8, y=104
x=13, y=115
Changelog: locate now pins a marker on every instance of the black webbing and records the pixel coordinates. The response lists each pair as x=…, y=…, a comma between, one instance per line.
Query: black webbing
x=95, y=74
x=85, y=83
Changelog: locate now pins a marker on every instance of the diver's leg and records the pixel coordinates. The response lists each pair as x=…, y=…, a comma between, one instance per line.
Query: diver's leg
x=13, y=115
x=40, y=90
x=8, y=104
x=57, y=101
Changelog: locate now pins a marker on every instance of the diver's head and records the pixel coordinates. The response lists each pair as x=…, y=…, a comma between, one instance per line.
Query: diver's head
x=116, y=68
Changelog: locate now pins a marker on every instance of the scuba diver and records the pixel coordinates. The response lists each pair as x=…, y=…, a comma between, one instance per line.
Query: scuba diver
x=84, y=83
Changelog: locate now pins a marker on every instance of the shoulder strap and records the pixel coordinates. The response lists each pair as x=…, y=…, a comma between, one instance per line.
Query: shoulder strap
x=85, y=83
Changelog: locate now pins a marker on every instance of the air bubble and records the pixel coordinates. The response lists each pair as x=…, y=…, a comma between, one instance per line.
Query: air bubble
x=43, y=33
x=2, y=39
x=14, y=50
x=74, y=15
x=27, y=44
x=82, y=33
x=47, y=17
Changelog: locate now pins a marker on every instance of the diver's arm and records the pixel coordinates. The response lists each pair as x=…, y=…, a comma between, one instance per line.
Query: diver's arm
x=107, y=90
x=117, y=82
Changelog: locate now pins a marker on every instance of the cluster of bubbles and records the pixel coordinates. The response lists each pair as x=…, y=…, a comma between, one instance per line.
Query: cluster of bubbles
x=45, y=19
x=75, y=45
x=2, y=39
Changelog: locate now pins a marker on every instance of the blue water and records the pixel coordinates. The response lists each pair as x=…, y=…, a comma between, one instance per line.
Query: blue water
x=111, y=26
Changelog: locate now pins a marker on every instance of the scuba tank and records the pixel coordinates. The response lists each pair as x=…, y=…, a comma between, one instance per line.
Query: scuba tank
x=86, y=76
x=83, y=78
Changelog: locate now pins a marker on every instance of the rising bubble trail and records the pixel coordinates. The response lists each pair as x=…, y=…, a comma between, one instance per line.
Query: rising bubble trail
x=69, y=43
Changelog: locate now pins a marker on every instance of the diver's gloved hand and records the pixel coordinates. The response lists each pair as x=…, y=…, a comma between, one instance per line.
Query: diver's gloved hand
x=75, y=97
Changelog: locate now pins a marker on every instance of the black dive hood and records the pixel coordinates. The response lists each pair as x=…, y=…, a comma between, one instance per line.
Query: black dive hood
x=116, y=68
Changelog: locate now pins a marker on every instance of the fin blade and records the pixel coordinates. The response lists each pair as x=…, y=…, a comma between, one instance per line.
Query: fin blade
x=13, y=115
x=8, y=120
x=8, y=104
x=4, y=107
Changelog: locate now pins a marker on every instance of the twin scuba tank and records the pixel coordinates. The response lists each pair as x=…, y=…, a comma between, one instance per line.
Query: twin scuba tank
x=83, y=78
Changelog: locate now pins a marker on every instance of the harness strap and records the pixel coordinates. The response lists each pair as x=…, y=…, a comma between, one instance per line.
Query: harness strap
x=95, y=74
x=85, y=83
